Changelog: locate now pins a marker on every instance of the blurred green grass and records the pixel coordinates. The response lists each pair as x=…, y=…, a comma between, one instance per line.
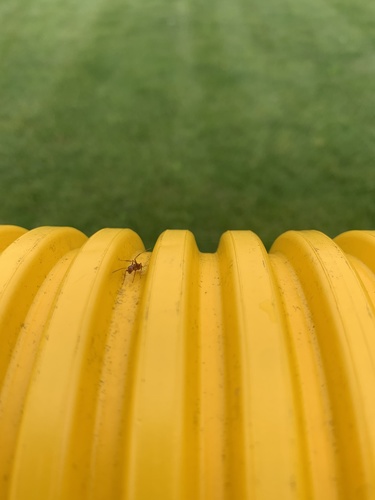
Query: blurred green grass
x=208, y=115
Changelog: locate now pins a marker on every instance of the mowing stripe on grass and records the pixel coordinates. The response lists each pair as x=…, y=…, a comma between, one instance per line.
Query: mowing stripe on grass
x=37, y=40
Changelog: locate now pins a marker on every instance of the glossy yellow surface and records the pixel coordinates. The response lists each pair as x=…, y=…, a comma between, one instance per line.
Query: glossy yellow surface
x=240, y=374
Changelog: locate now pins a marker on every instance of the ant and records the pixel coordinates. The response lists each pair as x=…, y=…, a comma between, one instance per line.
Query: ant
x=133, y=267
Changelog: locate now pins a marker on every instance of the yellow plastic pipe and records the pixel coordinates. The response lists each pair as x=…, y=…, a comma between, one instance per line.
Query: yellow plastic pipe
x=176, y=374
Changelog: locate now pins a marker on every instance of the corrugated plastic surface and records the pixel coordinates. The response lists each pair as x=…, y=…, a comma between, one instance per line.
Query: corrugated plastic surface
x=232, y=375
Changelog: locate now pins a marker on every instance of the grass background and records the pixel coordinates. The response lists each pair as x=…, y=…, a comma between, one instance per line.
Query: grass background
x=206, y=115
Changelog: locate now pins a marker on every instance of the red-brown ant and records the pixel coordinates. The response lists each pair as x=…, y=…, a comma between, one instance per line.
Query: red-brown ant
x=133, y=267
